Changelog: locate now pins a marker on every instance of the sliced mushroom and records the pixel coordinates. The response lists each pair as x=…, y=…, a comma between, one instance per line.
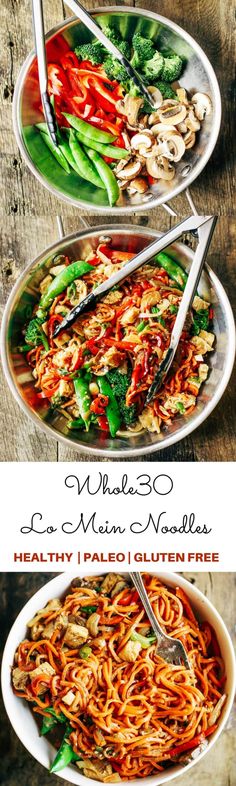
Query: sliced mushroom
x=141, y=141
x=138, y=184
x=121, y=164
x=189, y=139
x=192, y=121
x=123, y=184
x=172, y=111
x=182, y=127
x=175, y=145
x=160, y=168
x=160, y=129
x=182, y=96
x=131, y=170
x=202, y=105
x=156, y=95
x=126, y=139
x=132, y=105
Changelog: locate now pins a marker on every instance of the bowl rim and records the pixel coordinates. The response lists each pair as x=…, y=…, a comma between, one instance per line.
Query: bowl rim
x=132, y=451
x=61, y=582
x=191, y=176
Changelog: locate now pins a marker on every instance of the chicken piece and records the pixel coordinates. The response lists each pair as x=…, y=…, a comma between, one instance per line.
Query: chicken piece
x=203, y=342
x=69, y=698
x=65, y=388
x=130, y=651
x=109, y=582
x=130, y=316
x=113, y=297
x=75, y=635
x=96, y=769
x=19, y=678
x=112, y=358
x=44, y=668
x=203, y=371
x=52, y=605
x=92, y=623
x=36, y=631
x=150, y=421
x=43, y=286
x=62, y=339
x=150, y=298
x=199, y=303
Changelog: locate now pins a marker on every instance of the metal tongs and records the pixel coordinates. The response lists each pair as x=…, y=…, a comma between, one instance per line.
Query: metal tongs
x=192, y=223
x=39, y=36
x=94, y=28
x=172, y=650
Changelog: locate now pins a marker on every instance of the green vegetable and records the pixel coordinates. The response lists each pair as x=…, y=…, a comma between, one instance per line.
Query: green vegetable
x=106, y=150
x=25, y=348
x=173, y=309
x=78, y=423
x=120, y=384
x=143, y=50
x=85, y=651
x=141, y=327
x=180, y=407
x=65, y=754
x=172, y=269
x=107, y=176
x=143, y=640
x=83, y=398
x=89, y=609
x=93, y=51
x=172, y=68
x=35, y=335
x=66, y=150
x=166, y=90
x=115, y=70
x=153, y=67
x=116, y=39
x=112, y=409
x=200, y=321
x=57, y=153
x=89, y=131
x=86, y=168
x=62, y=281
x=49, y=722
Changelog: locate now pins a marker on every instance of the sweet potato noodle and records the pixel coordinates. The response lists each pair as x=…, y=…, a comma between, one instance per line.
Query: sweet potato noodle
x=97, y=373
x=90, y=660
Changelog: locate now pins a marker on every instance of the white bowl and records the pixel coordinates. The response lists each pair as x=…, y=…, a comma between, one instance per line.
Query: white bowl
x=25, y=724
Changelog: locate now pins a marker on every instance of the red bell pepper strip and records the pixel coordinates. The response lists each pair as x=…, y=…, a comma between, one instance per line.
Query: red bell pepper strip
x=58, y=84
x=103, y=423
x=129, y=598
x=99, y=404
x=69, y=60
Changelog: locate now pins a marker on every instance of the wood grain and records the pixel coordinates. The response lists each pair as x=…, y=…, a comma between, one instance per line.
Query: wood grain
x=28, y=210
x=17, y=766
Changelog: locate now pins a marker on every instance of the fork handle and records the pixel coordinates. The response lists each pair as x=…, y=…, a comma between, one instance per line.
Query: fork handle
x=138, y=583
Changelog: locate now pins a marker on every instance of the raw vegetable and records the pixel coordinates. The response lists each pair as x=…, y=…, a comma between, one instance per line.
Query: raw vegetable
x=86, y=167
x=109, y=151
x=57, y=153
x=62, y=280
x=93, y=51
x=91, y=133
x=107, y=176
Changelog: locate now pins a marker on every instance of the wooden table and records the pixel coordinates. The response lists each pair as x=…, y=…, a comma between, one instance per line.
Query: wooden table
x=28, y=212
x=17, y=766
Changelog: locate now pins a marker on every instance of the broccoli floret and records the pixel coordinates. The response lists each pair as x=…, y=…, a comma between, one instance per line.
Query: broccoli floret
x=93, y=51
x=35, y=335
x=172, y=68
x=152, y=68
x=116, y=39
x=200, y=321
x=143, y=50
x=120, y=384
x=166, y=90
x=115, y=70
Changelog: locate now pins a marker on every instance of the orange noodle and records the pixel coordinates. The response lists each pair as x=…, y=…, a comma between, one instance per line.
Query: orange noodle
x=93, y=661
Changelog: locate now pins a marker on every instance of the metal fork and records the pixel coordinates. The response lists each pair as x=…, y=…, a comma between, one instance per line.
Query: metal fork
x=171, y=650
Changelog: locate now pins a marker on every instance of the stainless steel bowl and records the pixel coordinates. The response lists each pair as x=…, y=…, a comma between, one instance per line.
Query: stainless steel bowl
x=20, y=380
x=198, y=76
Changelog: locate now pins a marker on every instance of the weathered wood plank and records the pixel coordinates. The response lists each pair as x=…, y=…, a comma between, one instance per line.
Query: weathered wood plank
x=17, y=765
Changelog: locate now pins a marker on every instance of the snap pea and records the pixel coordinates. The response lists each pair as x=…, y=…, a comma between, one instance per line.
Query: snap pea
x=66, y=150
x=87, y=169
x=47, y=724
x=172, y=268
x=106, y=150
x=62, y=280
x=56, y=152
x=89, y=131
x=106, y=175
x=112, y=409
x=83, y=399
x=141, y=327
x=65, y=754
x=78, y=423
